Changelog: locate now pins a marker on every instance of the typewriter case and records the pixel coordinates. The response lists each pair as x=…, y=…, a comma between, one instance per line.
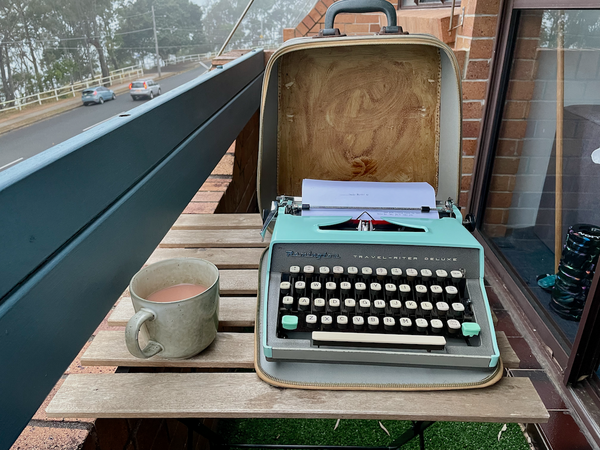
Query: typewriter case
x=384, y=108
x=360, y=108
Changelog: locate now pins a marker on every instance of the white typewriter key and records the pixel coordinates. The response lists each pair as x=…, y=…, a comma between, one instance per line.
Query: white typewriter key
x=390, y=287
x=358, y=322
x=456, y=275
x=458, y=307
x=352, y=271
x=442, y=308
x=395, y=305
x=284, y=287
x=396, y=273
x=426, y=274
x=441, y=275
x=373, y=323
x=299, y=286
x=331, y=286
x=404, y=289
x=350, y=303
x=342, y=322
x=405, y=324
x=411, y=306
x=437, y=326
x=294, y=269
x=366, y=271
x=454, y=326
x=375, y=287
x=421, y=325
x=379, y=304
x=288, y=302
x=373, y=339
x=389, y=323
x=334, y=304
x=315, y=286
x=451, y=292
x=411, y=274
x=426, y=307
x=311, y=321
x=319, y=304
x=338, y=270
x=436, y=291
x=326, y=322
x=304, y=304
x=345, y=285
x=381, y=272
x=421, y=290
x=360, y=287
x=364, y=305
x=324, y=270
x=308, y=269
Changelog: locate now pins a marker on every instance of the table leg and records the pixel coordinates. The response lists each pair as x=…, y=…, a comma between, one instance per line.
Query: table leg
x=417, y=430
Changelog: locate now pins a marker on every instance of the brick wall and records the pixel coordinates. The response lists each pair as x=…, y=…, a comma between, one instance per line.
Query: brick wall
x=473, y=44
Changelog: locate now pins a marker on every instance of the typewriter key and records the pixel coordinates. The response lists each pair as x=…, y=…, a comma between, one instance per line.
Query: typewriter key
x=390, y=290
x=395, y=306
x=319, y=304
x=334, y=304
x=358, y=323
x=396, y=273
x=304, y=304
x=338, y=271
x=300, y=287
x=458, y=310
x=404, y=290
x=308, y=270
x=405, y=324
x=352, y=272
x=311, y=321
x=421, y=325
x=441, y=275
x=411, y=274
x=456, y=275
x=350, y=304
x=451, y=293
x=326, y=322
x=373, y=322
x=381, y=273
x=454, y=326
x=426, y=274
x=411, y=307
x=288, y=302
x=324, y=270
x=315, y=287
x=345, y=288
x=361, y=289
x=389, y=324
x=294, y=270
x=441, y=308
x=284, y=287
x=437, y=326
x=331, y=287
x=426, y=308
x=421, y=291
x=342, y=322
x=364, y=305
x=436, y=291
x=366, y=272
x=379, y=306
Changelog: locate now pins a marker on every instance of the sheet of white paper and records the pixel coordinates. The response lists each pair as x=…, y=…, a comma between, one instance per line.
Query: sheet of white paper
x=380, y=200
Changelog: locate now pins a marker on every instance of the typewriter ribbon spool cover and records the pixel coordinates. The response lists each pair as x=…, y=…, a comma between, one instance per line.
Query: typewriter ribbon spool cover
x=379, y=109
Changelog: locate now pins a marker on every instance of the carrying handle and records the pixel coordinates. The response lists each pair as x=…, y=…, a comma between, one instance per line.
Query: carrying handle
x=360, y=6
x=132, y=335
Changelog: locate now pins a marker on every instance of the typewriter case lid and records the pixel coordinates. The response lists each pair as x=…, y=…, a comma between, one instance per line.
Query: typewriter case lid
x=360, y=108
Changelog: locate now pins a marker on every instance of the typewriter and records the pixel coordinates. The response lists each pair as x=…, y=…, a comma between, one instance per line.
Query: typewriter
x=400, y=291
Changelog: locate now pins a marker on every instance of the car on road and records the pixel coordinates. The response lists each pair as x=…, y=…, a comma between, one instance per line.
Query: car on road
x=96, y=95
x=144, y=88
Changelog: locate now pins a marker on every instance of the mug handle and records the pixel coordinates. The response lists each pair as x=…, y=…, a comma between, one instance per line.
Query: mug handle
x=132, y=332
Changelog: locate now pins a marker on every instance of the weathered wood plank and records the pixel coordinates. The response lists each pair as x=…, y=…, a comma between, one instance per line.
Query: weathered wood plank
x=228, y=351
x=509, y=357
x=217, y=222
x=233, y=312
x=223, y=258
x=238, y=282
x=218, y=395
x=213, y=238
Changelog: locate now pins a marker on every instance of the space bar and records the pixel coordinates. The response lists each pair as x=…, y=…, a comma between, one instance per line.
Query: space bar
x=379, y=340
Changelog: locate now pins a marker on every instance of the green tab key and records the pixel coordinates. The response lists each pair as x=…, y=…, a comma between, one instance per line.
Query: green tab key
x=289, y=322
x=470, y=329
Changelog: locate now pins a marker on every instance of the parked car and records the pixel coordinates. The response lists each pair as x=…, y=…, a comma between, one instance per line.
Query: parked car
x=96, y=95
x=144, y=88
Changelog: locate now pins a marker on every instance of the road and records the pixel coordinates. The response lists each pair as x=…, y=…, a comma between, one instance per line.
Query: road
x=18, y=145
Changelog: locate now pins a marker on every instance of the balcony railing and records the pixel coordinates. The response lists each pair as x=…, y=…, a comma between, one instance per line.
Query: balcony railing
x=79, y=219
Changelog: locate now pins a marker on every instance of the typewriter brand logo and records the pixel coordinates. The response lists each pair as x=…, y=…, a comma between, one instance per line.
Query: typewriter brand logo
x=405, y=258
x=313, y=255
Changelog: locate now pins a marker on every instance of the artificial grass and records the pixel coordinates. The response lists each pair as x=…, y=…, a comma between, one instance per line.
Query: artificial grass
x=440, y=436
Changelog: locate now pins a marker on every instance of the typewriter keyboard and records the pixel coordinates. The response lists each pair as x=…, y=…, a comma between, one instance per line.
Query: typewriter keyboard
x=376, y=307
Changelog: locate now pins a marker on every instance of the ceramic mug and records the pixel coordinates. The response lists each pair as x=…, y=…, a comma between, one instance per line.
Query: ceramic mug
x=175, y=329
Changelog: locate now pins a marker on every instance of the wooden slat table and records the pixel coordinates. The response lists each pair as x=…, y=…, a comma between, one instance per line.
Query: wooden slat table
x=233, y=243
